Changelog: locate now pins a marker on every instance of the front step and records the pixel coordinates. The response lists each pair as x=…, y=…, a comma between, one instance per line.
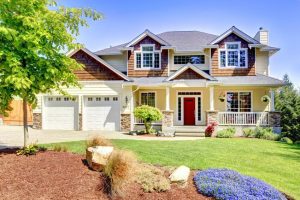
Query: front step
x=186, y=134
x=189, y=129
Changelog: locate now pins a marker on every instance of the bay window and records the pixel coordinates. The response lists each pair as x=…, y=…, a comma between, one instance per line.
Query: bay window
x=233, y=56
x=147, y=57
x=239, y=101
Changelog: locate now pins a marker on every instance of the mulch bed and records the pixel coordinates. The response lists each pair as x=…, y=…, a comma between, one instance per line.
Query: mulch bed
x=58, y=175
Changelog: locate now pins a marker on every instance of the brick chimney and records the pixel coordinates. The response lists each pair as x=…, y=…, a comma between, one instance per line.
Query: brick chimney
x=262, y=36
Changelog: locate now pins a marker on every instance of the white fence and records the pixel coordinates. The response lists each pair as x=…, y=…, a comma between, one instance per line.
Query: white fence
x=243, y=118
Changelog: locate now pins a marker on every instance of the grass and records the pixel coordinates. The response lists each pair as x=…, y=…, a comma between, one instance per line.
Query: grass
x=276, y=163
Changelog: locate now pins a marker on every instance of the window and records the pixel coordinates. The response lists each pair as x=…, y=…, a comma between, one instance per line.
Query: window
x=239, y=101
x=106, y=98
x=66, y=99
x=193, y=59
x=115, y=98
x=199, y=109
x=98, y=98
x=50, y=99
x=179, y=109
x=233, y=55
x=148, y=98
x=90, y=99
x=147, y=58
x=58, y=98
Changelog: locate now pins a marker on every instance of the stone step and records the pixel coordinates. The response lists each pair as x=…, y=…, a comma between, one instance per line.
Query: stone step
x=189, y=129
x=186, y=134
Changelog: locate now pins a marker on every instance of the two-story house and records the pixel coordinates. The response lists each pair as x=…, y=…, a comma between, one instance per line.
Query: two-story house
x=192, y=77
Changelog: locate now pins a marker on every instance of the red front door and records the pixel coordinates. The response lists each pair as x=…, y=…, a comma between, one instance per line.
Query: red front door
x=189, y=111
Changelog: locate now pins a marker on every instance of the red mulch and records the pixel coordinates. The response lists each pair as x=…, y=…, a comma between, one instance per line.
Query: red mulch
x=57, y=175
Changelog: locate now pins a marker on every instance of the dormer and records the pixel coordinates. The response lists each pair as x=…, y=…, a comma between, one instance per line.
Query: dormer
x=147, y=56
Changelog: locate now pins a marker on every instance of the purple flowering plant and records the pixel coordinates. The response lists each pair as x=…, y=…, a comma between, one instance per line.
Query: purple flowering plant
x=225, y=184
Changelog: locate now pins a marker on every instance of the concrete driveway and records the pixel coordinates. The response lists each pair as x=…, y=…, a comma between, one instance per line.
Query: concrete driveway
x=12, y=136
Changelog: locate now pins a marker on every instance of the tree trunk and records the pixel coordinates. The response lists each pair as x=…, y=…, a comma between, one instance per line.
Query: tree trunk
x=25, y=123
x=147, y=127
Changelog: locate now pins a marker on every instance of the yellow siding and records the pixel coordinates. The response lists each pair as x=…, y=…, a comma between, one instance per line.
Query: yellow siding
x=257, y=93
x=160, y=97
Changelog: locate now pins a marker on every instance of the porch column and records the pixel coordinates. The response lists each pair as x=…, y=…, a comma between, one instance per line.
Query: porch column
x=272, y=102
x=211, y=99
x=167, y=98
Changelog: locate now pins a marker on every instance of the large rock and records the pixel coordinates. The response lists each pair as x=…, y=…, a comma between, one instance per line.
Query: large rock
x=181, y=174
x=97, y=156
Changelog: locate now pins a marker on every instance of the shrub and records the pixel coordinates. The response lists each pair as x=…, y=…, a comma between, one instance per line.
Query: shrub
x=249, y=132
x=229, y=184
x=297, y=142
x=286, y=140
x=31, y=149
x=153, y=179
x=120, y=170
x=210, y=129
x=265, y=133
x=60, y=148
x=226, y=133
x=97, y=141
x=148, y=114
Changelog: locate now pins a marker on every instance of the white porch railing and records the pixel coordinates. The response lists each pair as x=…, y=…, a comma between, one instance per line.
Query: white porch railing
x=139, y=121
x=243, y=118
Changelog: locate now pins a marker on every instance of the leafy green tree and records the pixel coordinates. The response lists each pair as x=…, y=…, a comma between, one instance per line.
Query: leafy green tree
x=148, y=114
x=34, y=34
x=287, y=100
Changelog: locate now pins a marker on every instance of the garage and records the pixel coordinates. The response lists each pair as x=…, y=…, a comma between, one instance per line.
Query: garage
x=101, y=113
x=60, y=113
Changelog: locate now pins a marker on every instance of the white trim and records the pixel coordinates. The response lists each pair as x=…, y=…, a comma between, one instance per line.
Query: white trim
x=239, y=55
x=238, y=91
x=211, y=99
x=167, y=98
x=181, y=122
x=71, y=53
x=143, y=35
x=192, y=67
x=236, y=31
x=142, y=59
x=272, y=102
x=146, y=91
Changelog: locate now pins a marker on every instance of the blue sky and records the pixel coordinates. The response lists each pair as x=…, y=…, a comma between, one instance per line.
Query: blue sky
x=124, y=20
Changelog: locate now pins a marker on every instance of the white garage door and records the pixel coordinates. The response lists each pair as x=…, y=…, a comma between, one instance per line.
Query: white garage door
x=60, y=113
x=101, y=113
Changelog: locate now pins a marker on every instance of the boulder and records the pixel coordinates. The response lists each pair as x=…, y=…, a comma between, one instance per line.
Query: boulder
x=181, y=174
x=97, y=156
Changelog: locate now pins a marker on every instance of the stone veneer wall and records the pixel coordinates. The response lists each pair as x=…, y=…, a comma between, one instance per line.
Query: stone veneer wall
x=167, y=120
x=125, y=122
x=80, y=122
x=37, y=121
x=274, y=118
x=211, y=116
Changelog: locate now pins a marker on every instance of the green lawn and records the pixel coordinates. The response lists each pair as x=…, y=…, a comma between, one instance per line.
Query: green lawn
x=274, y=162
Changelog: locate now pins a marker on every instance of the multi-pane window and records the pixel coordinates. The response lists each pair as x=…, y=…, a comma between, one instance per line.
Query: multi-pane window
x=106, y=98
x=179, y=109
x=239, y=101
x=148, y=98
x=115, y=98
x=193, y=59
x=147, y=58
x=233, y=55
x=98, y=98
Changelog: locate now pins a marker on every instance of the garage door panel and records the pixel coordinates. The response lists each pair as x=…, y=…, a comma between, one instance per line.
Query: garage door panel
x=101, y=114
x=60, y=114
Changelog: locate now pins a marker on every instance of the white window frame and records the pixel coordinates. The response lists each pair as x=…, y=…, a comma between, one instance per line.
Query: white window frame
x=155, y=97
x=142, y=60
x=226, y=92
x=239, y=56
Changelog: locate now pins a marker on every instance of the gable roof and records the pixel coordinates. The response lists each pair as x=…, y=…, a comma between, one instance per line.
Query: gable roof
x=143, y=35
x=192, y=67
x=71, y=53
x=236, y=31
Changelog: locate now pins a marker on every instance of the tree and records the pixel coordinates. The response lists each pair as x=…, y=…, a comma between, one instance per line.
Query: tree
x=287, y=100
x=148, y=114
x=34, y=34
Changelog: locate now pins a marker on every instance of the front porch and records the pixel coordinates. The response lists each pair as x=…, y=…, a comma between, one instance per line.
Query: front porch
x=199, y=106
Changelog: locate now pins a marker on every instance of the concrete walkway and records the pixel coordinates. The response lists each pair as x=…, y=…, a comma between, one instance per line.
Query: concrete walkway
x=12, y=136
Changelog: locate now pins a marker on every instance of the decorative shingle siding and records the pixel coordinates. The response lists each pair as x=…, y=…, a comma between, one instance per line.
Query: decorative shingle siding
x=188, y=74
x=148, y=73
x=93, y=70
x=216, y=71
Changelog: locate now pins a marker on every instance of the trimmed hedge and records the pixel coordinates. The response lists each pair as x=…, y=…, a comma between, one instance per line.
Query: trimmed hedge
x=261, y=133
x=226, y=133
x=228, y=184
